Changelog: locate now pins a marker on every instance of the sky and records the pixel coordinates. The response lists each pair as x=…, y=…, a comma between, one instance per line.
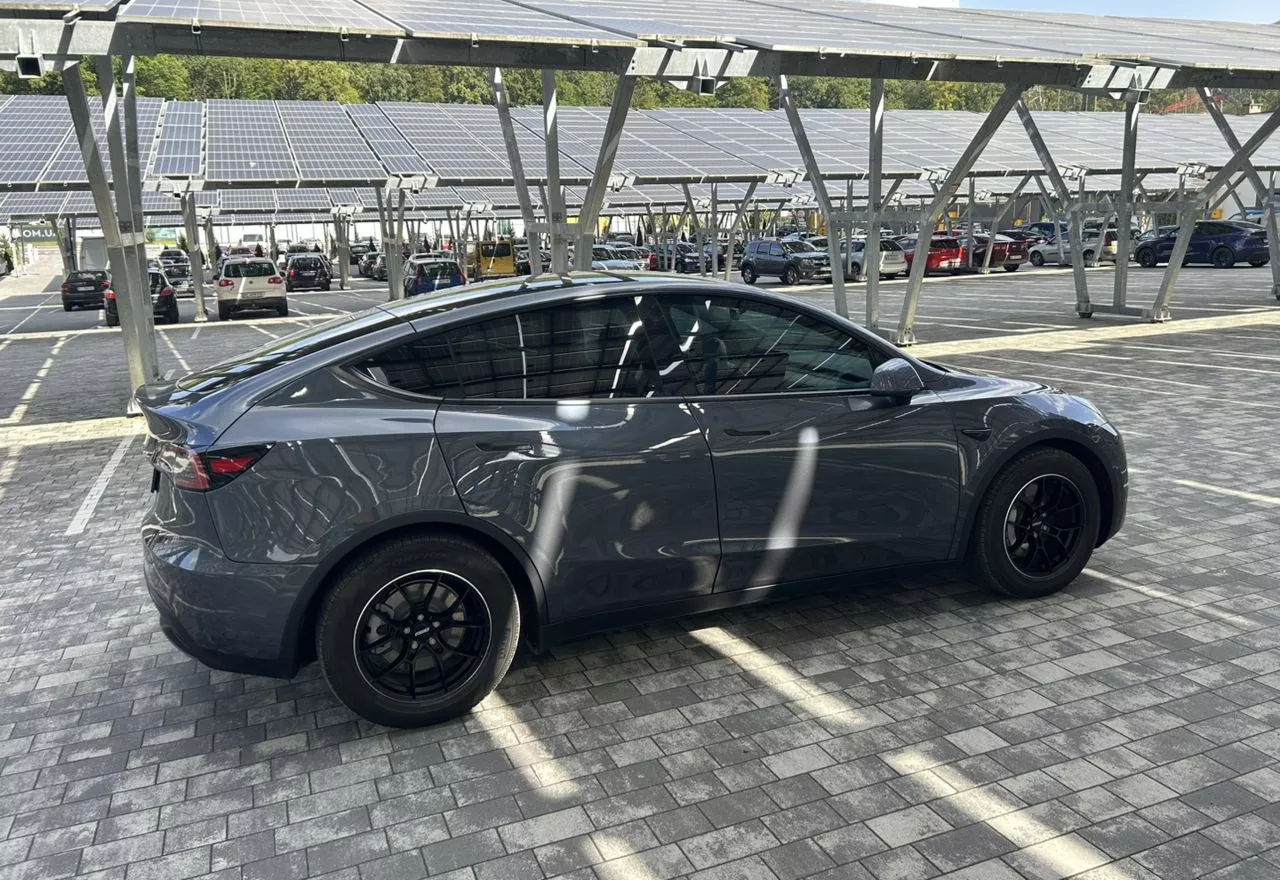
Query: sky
x=1235, y=10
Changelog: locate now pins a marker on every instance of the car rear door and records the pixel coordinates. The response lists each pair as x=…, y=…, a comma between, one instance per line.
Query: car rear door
x=556, y=432
x=814, y=476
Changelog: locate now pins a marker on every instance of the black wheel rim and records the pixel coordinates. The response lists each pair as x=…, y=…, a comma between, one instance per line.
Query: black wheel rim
x=423, y=636
x=1043, y=526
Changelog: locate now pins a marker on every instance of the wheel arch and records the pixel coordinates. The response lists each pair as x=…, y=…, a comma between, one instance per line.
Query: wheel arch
x=1066, y=443
x=519, y=567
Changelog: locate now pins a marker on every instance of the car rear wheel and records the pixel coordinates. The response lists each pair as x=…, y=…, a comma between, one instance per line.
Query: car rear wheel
x=1037, y=258
x=790, y=275
x=1259, y=261
x=749, y=274
x=112, y=320
x=283, y=309
x=1224, y=258
x=224, y=313
x=66, y=307
x=418, y=630
x=171, y=313
x=1036, y=526
x=1013, y=267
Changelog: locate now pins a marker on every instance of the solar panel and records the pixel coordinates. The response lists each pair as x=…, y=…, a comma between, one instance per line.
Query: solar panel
x=325, y=143
x=278, y=15
x=180, y=147
x=496, y=20
x=454, y=149
x=245, y=142
x=32, y=129
x=396, y=154
x=35, y=204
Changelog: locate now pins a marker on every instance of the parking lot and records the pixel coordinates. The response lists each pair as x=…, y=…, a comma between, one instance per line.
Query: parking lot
x=1128, y=727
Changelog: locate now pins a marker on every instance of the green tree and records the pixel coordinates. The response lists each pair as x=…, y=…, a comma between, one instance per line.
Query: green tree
x=752, y=92
x=163, y=76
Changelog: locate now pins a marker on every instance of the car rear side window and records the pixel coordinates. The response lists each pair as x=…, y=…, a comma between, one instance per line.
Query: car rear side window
x=597, y=350
x=740, y=346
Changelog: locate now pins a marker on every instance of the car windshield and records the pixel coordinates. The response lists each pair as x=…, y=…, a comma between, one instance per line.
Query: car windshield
x=87, y=276
x=799, y=247
x=249, y=269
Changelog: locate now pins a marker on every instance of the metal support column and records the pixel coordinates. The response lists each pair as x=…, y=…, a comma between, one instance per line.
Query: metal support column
x=553, y=204
x=589, y=213
x=970, y=229
x=1124, y=208
x=692, y=214
x=342, y=231
x=738, y=217
x=191, y=230
x=1160, y=308
x=395, y=268
x=503, y=104
x=713, y=231
x=1263, y=190
x=1084, y=308
x=66, y=243
x=140, y=352
x=819, y=185
x=875, y=203
x=133, y=178
x=999, y=221
x=911, y=304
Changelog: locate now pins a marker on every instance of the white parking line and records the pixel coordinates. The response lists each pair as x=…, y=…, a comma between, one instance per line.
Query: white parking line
x=25, y=401
x=177, y=354
x=34, y=311
x=196, y=333
x=1107, y=375
x=81, y=520
x=1234, y=493
x=267, y=332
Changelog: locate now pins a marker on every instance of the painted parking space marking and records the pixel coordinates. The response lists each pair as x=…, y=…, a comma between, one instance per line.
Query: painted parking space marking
x=1234, y=493
x=29, y=395
x=81, y=520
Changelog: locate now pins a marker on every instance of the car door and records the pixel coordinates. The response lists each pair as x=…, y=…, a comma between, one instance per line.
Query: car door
x=814, y=476
x=1202, y=242
x=556, y=433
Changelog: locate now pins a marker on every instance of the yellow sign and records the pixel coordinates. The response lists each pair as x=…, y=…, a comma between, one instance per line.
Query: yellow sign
x=1216, y=214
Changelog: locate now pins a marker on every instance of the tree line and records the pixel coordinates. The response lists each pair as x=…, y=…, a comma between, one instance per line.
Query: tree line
x=201, y=78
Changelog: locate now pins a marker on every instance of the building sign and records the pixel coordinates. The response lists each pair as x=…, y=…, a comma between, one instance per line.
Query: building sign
x=34, y=234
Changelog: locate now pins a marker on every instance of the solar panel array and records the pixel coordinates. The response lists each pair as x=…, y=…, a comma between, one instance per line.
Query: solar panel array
x=325, y=142
x=179, y=151
x=245, y=141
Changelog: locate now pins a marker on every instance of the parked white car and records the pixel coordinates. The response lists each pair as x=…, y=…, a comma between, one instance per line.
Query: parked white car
x=608, y=259
x=1047, y=251
x=250, y=283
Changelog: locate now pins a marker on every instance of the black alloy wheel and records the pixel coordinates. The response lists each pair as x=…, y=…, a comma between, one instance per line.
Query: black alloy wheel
x=1224, y=258
x=418, y=628
x=422, y=636
x=1036, y=526
x=1147, y=258
x=790, y=276
x=1043, y=525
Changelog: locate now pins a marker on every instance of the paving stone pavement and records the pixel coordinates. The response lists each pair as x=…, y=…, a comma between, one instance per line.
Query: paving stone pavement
x=1125, y=729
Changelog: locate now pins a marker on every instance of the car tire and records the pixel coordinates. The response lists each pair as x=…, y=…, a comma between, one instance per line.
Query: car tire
x=1224, y=258
x=749, y=274
x=790, y=276
x=1004, y=553
x=283, y=309
x=67, y=307
x=112, y=320
x=1259, y=262
x=224, y=313
x=327, y=286
x=1037, y=258
x=475, y=581
x=1013, y=267
x=1147, y=258
x=1088, y=257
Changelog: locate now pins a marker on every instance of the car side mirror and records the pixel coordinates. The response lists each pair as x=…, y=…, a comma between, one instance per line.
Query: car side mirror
x=896, y=379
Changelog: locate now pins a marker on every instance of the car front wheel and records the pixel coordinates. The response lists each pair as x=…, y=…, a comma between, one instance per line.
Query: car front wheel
x=790, y=275
x=418, y=630
x=1037, y=525
x=1037, y=258
x=1147, y=258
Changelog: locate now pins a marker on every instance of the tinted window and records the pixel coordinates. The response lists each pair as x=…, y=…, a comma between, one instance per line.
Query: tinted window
x=306, y=264
x=83, y=277
x=256, y=269
x=595, y=350
x=437, y=270
x=775, y=249
x=798, y=247
x=739, y=346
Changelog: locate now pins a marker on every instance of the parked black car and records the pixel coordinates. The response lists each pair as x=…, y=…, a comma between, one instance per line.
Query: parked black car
x=307, y=272
x=85, y=290
x=164, y=301
x=792, y=261
x=411, y=491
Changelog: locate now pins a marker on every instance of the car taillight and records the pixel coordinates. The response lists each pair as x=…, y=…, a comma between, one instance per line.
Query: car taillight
x=293, y=273
x=110, y=294
x=65, y=287
x=225, y=282
x=168, y=291
x=201, y=472
x=276, y=279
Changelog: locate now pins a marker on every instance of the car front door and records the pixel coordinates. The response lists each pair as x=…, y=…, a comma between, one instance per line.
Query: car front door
x=1202, y=242
x=814, y=476
x=556, y=433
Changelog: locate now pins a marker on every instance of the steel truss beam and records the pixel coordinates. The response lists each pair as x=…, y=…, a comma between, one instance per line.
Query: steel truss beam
x=1186, y=219
x=819, y=184
x=196, y=258
x=589, y=212
x=1083, y=307
x=554, y=208
x=1262, y=190
x=905, y=334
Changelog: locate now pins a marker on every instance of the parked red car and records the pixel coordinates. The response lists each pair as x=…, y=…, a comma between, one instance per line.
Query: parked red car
x=945, y=253
x=1006, y=252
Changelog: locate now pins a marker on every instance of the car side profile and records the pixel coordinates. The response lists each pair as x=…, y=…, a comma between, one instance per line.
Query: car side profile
x=1219, y=243
x=790, y=260
x=408, y=493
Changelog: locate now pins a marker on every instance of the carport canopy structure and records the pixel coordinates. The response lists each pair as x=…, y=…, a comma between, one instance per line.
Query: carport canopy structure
x=694, y=46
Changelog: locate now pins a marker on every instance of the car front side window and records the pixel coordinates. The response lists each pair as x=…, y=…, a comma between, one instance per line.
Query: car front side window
x=729, y=346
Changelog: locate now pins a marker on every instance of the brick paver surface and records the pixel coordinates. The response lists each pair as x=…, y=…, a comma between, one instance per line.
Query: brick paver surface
x=1128, y=727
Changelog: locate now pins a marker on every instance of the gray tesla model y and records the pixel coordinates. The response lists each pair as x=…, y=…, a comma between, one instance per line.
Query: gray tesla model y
x=408, y=492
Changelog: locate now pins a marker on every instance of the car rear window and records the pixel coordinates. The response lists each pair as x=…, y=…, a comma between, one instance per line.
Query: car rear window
x=254, y=269
x=947, y=243
x=438, y=270
x=287, y=348
x=87, y=276
x=305, y=263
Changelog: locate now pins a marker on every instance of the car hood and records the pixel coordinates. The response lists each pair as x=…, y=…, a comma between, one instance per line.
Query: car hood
x=956, y=380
